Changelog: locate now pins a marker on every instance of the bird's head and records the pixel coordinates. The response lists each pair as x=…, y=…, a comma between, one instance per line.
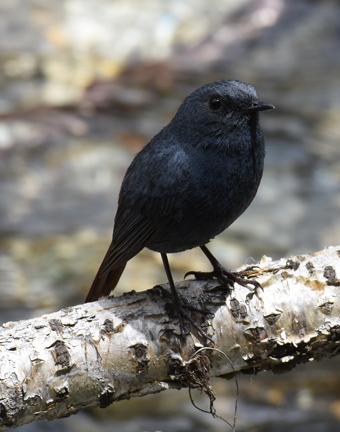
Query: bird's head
x=218, y=108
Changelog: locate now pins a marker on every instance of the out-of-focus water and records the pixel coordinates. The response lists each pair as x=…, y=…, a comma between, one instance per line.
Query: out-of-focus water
x=61, y=169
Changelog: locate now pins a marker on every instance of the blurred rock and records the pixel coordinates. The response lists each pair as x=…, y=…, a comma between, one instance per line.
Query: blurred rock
x=61, y=170
x=53, y=50
x=84, y=85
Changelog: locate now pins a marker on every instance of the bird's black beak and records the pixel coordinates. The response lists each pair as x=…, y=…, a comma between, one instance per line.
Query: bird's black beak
x=260, y=106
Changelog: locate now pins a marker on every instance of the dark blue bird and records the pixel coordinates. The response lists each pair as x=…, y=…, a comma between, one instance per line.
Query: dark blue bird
x=189, y=183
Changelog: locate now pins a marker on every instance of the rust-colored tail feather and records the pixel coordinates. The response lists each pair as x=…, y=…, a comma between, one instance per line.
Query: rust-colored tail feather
x=103, y=285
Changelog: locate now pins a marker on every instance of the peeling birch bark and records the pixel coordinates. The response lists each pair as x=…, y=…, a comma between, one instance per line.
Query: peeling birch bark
x=96, y=353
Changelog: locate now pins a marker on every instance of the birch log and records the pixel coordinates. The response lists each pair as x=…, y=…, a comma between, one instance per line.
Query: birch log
x=97, y=353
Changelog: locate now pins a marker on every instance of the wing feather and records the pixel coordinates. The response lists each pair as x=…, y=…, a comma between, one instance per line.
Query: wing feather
x=147, y=207
x=128, y=243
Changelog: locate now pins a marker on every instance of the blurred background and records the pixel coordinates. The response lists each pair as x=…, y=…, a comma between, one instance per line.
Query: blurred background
x=83, y=86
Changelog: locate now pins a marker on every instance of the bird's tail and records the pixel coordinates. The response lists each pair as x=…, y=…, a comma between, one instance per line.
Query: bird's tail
x=104, y=284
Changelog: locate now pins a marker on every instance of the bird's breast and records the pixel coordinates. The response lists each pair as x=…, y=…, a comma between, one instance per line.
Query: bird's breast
x=218, y=189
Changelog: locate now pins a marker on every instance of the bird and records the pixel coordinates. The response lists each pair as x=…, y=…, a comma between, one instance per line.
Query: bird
x=188, y=184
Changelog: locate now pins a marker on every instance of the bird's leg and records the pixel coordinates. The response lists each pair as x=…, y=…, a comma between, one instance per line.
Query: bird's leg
x=222, y=275
x=179, y=305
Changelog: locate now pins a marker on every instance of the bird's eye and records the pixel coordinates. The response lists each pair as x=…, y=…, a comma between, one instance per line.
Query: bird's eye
x=215, y=103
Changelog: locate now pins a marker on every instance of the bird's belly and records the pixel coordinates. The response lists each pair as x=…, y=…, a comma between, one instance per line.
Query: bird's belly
x=184, y=236
x=195, y=230
x=203, y=220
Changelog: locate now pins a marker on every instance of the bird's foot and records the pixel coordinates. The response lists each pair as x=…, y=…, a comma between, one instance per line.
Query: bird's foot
x=182, y=314
x=227, y=277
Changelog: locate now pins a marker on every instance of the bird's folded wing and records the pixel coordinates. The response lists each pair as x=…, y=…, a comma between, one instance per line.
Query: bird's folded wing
x=130, y=239
x=147, y=207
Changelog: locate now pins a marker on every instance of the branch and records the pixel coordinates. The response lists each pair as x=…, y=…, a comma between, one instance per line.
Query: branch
x=97, y=353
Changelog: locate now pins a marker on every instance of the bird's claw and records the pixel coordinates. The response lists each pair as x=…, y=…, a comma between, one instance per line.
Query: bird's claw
x=200, y=275
x=227, y=277
x=183, y=314
x=241, y=277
